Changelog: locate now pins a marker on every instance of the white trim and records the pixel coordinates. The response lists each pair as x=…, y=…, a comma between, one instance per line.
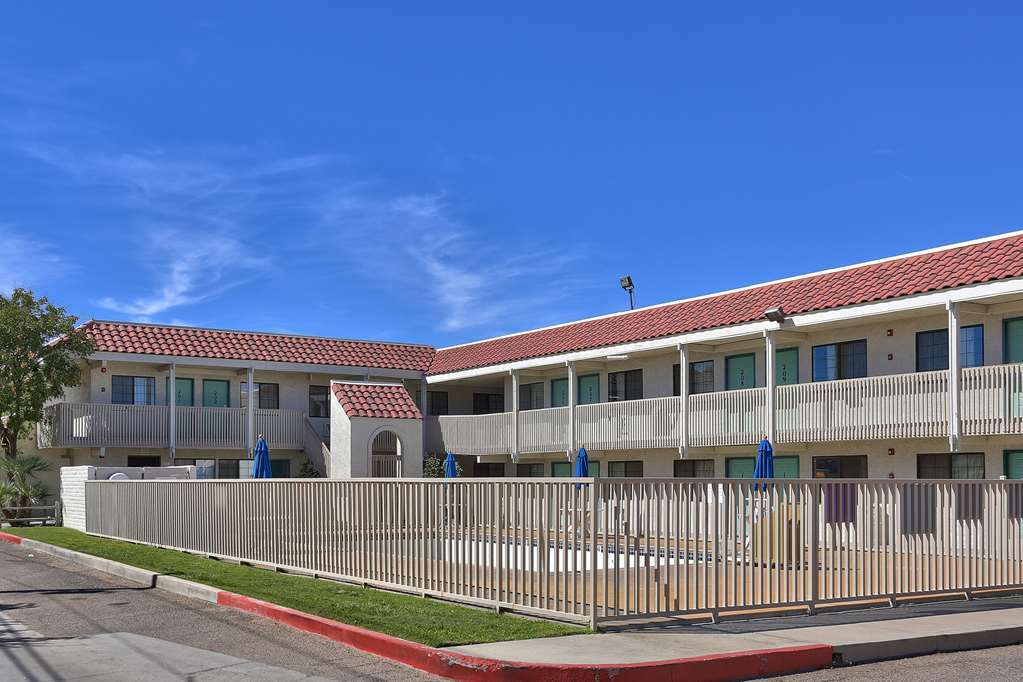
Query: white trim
x=887, y=259
x=800, y=322
x=264, y=365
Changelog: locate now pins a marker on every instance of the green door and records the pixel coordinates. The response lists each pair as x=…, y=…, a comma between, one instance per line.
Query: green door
x=216, y=393
x=567, y=469
x=589, y=389
x=786, y=366
x=559, y=392
x=1014, y=464
x=740, y=372
x=1013, y=340
x=785, y=466
x=184, y=392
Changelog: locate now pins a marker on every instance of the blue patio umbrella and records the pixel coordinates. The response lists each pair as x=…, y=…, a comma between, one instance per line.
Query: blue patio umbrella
x=764, y=466
x=261, y=459
x=582, y=464
x=450, y=467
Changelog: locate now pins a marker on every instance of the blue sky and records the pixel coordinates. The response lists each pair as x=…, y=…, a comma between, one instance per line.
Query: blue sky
x=448, y=175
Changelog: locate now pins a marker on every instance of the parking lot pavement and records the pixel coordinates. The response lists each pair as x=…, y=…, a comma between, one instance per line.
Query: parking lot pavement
x=61, y=621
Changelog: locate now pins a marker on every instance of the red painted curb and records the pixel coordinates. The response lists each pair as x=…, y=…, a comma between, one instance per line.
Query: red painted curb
x=7, y=537
x=740, y=665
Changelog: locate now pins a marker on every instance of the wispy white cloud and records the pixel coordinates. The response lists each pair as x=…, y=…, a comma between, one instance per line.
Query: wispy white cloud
x=26, y=261
x=470, y=280
x=192, y=267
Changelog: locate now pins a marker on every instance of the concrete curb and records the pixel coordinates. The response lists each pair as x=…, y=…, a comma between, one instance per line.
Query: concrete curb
x=741, y=665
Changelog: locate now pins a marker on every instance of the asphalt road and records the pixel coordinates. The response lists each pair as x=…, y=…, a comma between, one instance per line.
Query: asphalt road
x=59, y=621
x=1000, y=663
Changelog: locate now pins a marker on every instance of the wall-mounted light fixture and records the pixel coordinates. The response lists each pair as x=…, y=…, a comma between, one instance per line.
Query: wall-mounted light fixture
x=775, y=314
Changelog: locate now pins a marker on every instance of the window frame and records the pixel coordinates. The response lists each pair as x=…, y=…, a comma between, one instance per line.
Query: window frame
x=531, y=390
x=632, y=380
x=492, y=401
x=326, y=402
x=839, y=364
x=150, y=389
x=693, y=383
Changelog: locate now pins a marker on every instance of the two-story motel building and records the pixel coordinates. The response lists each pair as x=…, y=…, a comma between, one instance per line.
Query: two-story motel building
x=904, y=367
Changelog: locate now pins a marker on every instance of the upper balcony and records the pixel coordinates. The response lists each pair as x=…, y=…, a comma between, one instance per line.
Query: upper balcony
x=89, y=425
x=899, y=406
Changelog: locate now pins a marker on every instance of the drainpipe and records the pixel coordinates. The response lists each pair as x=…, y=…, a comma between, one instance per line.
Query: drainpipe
x=172, y=411
x=954, y=374
x=515, y=415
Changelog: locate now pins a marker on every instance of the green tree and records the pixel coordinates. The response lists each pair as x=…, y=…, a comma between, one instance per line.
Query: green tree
x=40, y=355
x=21, y=489
x=433, y=467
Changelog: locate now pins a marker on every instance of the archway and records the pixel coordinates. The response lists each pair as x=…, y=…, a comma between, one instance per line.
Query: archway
x=385, y=455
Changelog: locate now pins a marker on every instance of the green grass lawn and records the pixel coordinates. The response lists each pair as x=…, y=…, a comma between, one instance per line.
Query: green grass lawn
x=427, y=621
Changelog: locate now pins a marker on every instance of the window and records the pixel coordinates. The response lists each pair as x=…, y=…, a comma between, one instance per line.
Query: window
x=530, y=470
x=280, y=468
x=437, y=403
x=268, y=396
x=531, y=396
x=843, y=466
x=701, y=377
x=567, y=469
x=694, y=468
x=143, y=460
x=932, y=348
x=625, y=385
x=846, y=360
x=319, y=401
x=956, y=465
x=487, y=403
x=132, y=390
x=488, y=469
x=628, y=469
x=228, y=468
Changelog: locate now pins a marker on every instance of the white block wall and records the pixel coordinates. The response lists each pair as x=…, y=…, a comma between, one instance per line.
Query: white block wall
x=72, y=485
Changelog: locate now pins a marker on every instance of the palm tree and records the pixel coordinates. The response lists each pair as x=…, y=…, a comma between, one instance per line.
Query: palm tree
x=21, y=489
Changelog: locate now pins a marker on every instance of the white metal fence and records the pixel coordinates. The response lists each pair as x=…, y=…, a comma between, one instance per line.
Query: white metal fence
x=596, y=550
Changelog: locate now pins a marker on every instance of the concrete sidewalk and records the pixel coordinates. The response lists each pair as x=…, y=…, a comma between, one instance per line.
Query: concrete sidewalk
x=856, y=636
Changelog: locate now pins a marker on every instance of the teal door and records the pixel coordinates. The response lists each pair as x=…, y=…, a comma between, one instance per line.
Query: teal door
x=785, y=466
x=1013, y=340
x=589, y=389
x=567, y=469
x=184, y=392
x=216, y=393
x=740, y=372
x=1014, y=464
x=786, y=366
x=559, y=392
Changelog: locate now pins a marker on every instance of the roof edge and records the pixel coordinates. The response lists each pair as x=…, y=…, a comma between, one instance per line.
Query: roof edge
x=922, y=252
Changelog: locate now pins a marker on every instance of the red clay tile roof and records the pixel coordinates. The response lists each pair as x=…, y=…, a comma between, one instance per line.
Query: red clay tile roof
x=383, y=401
x=127, y=337
x=987, y=261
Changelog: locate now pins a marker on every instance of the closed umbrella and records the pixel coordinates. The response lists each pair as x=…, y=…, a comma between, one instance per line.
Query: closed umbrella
x=261, y=459
x=450, y=467
x=582, y=466
x=764, y=466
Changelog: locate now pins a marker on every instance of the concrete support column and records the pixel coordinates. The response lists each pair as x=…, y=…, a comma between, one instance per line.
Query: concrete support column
x=172, y=411
x=515, y=415
x=769, y=370
x=683, y=408
x=573, y=398
x=250, y=429
x=954, y=374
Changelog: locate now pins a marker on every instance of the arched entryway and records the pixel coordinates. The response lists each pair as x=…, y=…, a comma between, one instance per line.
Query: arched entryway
x=385, y=455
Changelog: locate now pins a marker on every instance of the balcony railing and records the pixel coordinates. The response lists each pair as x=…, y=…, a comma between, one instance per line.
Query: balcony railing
x=94, y=425
x=898, y=406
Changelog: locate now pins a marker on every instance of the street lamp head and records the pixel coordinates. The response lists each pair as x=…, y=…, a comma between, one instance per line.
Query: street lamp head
x=626, y=283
